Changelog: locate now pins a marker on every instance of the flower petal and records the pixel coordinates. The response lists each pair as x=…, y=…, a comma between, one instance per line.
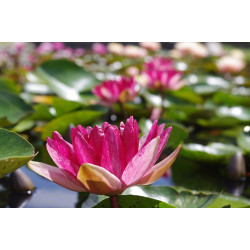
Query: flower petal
x=141, y=162
x=159, y=169
x=96, y=140
x=98, y=180
x=130, y=138
x=113, y=158
x=64, y=163
x=83, y=150
x=163, y=141
x=145, y=139
x=56, y=175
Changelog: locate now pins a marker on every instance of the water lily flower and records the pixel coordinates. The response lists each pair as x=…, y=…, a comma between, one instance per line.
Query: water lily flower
x=230, y=64
x=153, y=46
x=161, y=74
x=116, y=48
x=45, y=48
x=78, y=52
x=113, y=91
x=58, y=45
x=107, y=160
x=132, y=71
x=99, y=48
x=133, y=51
x=194, y=49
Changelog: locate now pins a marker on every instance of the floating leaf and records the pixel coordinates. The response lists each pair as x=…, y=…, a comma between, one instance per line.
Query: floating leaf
x=8, y=86
x=213, y=152
x=240, y=113
x=243, y=140
x=63, y=106
x=231, y=99
x=181, y=199
x=134, y=201
x=227, y=199
x=13, y=108
x=15, y=151
x=66, y=79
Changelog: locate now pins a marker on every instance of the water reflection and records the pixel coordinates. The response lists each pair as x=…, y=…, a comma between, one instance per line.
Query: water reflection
x=49, y=194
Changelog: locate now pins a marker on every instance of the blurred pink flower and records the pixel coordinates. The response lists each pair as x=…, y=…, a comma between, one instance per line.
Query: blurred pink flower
x=45, y=48
x=107, y=160
x=133, y=51
x=113, y=91
x=58, y=45
x=116, y=48
x=79, y=52
x=99, y=48
x=153, y=46
x=194, y=49
x=19, y=46
x=132, y=71
x=230, y=64
x=161, y=74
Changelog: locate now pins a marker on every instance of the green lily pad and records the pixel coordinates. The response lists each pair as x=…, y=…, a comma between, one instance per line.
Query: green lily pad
x=13, y=108
x=240, y=113
x=213, y=152
x=66, y=79
x=187, y=94
x=218, y=122
x=63, y=106
x=134, y=201
x=181, y=199
x=243, y=140
x=60, y=124
x=231, y=200
x=8, y=86
x=15, y=151
x=231, y=99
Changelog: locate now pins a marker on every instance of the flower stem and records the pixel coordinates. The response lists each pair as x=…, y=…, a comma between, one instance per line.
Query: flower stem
x=114, y=201
x=123, y=112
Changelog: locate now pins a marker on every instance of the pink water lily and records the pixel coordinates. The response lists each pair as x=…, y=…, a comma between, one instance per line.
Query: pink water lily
x=113, y=91
x=161, y=74
x=107, y=160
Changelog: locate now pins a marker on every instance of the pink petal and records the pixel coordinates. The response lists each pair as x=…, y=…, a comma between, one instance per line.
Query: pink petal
x=130, y=138
x=98, y=180
x=113, y=158
x=83, y=150
x=141, y=162
x=66, y=164
x=96, y=140
x=151, y=135
x=56, y=175
x=163, y=141
x=158, y=170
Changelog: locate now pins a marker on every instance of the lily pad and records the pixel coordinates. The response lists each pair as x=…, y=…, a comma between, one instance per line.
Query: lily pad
x=181, y=199
x=61, y=123
x=243, y=140
x=231, y=200
x=134, y=201
x=231, y=99
x=213, y=152
x=13, y=108
x=240, y=113
x=15, y=151
x=66, y=79
x=9, y=86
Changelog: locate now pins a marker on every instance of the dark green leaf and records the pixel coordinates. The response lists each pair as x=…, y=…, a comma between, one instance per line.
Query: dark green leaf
x=66, y=79
x=13, y=108
x=134, y=201
x=15, y=151
x=181, y=199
